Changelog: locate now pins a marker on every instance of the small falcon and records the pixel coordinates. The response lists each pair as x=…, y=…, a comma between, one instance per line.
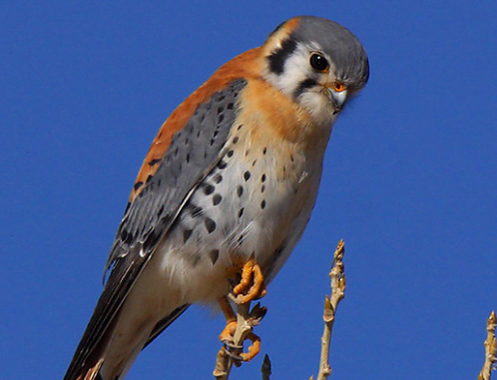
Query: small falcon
x=225, y=191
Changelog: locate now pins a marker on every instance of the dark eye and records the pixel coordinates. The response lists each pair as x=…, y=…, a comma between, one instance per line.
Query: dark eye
x=318, y=62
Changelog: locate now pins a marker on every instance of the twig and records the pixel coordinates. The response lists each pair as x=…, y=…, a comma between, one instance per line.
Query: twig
x=266, y=368
x=245, y=322
x=224, y=361
x=330, y=306
x=221, y=370
x=490, y=349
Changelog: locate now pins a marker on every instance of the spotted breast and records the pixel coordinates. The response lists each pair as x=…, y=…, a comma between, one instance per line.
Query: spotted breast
x=229, y=183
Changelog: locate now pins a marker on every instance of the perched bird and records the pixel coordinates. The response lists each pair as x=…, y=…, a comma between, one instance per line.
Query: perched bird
x=225, y=191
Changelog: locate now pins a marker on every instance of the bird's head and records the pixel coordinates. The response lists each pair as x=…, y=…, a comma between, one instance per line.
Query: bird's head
x=316, y=62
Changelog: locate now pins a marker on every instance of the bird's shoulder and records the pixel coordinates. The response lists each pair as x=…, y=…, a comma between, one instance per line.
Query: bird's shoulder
x=245, y=66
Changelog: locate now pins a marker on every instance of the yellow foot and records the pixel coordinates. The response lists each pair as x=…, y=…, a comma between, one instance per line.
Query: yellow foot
x=228, y=334
x=253, y=349
x=251, y=286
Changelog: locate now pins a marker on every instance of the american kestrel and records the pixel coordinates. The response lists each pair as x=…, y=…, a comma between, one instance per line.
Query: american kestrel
x=226, y=188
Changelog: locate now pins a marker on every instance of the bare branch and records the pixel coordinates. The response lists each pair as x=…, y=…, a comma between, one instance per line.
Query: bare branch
x=330, y=306
x=490, y=349
x=233, y=355
x=221, y=371
x=266, y=368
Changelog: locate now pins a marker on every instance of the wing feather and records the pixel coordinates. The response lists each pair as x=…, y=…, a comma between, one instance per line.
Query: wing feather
x=192, y=153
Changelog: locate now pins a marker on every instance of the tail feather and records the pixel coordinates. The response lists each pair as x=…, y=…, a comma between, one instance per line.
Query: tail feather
x=165, y=322
x=92, y=373
x=88, y=359
x=106, y=360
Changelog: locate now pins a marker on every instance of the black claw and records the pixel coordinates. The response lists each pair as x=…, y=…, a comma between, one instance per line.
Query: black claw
x=237, y=358
x=232, y=346
x=263, y=312
x=258, y=312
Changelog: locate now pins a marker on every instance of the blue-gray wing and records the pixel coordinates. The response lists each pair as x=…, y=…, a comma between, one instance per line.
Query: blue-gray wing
x=191, y=155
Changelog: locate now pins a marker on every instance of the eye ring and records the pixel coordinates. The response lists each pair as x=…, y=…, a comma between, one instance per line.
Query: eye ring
x=318, y=62
x=338, y=87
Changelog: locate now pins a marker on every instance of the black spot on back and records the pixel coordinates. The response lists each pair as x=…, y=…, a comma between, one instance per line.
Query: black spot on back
x=216, y=199
x=210, y=225
x=208, y=189
x=217, y=178
x=214, y=255
x=186, y=235
x=154, y=161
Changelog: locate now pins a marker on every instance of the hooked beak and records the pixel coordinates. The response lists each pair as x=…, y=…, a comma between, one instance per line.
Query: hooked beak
x=338, y=98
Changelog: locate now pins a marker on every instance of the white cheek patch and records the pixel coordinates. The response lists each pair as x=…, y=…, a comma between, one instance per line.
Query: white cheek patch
x=297, y=69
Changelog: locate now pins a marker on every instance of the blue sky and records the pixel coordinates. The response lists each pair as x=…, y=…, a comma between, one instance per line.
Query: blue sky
x=410, y=182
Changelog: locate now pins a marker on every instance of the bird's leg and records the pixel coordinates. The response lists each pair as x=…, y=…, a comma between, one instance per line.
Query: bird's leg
x=239, y=326
x=251, y=286
x=253, y=349
x=239, y=329
x=226, y=335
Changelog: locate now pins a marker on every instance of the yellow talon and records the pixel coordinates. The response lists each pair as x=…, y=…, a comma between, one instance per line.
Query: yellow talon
x=251, y=285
